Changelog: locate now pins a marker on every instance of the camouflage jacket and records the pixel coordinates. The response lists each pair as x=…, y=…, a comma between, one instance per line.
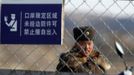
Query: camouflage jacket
x=74, y=62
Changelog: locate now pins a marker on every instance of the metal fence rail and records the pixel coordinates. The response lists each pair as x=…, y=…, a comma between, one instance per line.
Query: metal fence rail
x=112, y=20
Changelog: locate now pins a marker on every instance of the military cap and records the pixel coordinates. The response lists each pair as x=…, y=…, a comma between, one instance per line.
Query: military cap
x=83, y=33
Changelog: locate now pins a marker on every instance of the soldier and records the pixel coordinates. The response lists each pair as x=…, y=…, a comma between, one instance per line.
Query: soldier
x=82, y=57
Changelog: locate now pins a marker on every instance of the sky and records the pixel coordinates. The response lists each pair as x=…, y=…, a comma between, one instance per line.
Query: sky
x=113, y=6
x=115, y=9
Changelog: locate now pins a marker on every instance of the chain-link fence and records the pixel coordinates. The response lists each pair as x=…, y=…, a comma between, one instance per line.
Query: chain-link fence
x=112, y=19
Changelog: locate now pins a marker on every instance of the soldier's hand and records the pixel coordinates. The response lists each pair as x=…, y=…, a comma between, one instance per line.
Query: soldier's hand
x=103, y=63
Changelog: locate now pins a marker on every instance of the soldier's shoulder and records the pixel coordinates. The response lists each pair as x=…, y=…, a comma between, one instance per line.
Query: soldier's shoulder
x=68, y=55
x=65, y=56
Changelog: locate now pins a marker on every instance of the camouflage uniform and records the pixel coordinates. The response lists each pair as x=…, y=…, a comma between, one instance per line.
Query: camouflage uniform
x=73, y=61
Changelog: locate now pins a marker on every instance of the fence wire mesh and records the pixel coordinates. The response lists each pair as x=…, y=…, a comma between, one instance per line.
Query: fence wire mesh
x=112, y=20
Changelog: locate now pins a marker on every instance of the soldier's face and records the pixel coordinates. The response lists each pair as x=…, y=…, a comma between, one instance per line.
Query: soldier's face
x=87, y=47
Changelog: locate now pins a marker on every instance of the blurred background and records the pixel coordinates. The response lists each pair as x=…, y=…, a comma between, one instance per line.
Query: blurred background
x=113, y=21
